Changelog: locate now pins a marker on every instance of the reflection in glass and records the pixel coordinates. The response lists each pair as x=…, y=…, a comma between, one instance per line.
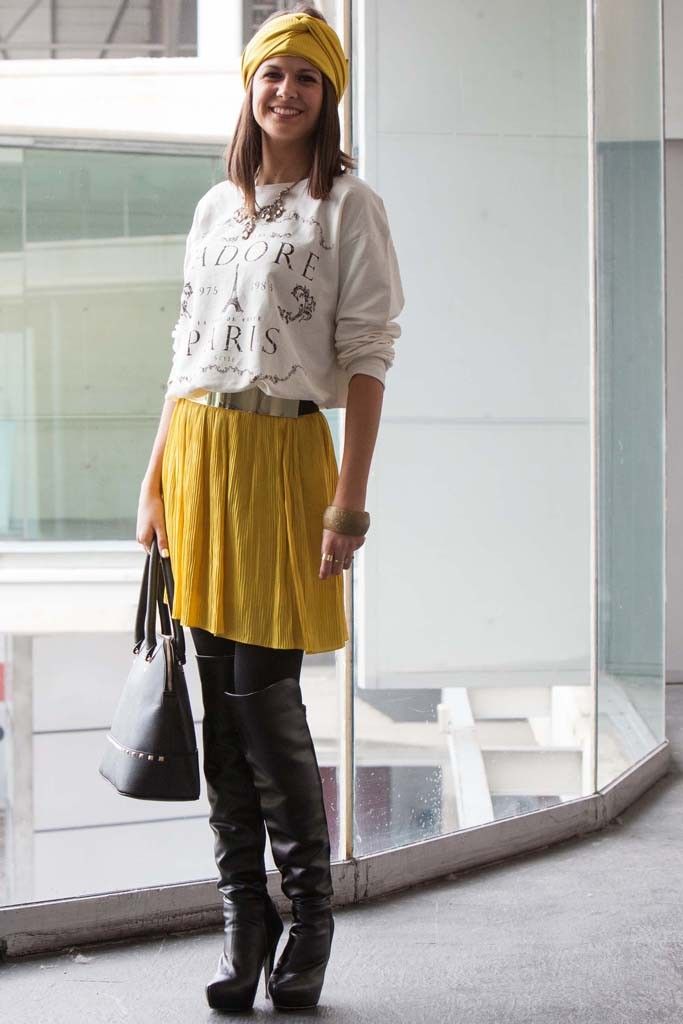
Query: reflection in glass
x=111, y=29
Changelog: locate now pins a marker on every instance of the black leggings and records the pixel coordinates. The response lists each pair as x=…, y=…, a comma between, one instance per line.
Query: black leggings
x=254, y=667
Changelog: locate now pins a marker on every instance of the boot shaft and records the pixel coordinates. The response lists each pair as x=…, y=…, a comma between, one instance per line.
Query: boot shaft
x=279, y=749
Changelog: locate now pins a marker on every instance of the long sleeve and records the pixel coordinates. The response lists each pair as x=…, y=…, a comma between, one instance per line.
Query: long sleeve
x=185, y=302
x=370, y=297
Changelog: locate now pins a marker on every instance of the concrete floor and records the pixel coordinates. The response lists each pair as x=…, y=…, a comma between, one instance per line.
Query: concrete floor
x=587, y=931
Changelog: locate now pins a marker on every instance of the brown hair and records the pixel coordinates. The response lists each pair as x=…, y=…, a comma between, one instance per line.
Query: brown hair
x=243, y=155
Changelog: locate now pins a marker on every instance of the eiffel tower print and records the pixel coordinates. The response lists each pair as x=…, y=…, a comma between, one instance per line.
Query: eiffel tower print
x=233, y=300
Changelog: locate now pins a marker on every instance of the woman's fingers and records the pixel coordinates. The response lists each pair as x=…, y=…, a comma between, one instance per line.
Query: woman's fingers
x=146, y=537
x=331, y=568
x=151, y=524
x=341, y=547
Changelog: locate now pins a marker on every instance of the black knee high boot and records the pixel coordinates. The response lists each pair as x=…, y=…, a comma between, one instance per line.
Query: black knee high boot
x=252, y=925
x=278, y=746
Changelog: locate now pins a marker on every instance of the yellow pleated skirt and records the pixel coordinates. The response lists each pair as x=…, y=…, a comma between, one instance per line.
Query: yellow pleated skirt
x=244, y=495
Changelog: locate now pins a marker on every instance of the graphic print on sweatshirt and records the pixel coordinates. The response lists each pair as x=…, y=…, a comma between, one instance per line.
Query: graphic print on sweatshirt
x=298, y=307
x=248, y=290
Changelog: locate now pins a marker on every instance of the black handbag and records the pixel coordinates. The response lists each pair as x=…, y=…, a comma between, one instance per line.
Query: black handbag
x=151, y=749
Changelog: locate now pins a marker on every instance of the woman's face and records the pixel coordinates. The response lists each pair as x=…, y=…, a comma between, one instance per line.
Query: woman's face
x=290, y=84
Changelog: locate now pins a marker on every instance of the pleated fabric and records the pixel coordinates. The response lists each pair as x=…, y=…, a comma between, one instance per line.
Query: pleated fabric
x=244, y=495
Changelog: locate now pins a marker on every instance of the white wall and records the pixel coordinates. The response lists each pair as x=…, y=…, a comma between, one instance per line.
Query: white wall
x=473, y=130
x=673, y=68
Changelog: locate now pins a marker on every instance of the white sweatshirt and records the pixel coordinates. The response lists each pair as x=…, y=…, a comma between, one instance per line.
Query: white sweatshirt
x=296, y=308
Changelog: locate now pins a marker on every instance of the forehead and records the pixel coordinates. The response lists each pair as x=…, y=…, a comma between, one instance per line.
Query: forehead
x=288, y=62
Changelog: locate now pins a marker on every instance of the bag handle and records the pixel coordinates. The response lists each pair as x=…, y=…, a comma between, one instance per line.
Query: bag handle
x=142, y=604
x=150, y=598
x=178, y=633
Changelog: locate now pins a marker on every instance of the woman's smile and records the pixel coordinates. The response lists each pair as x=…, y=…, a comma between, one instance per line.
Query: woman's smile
x=284, y=113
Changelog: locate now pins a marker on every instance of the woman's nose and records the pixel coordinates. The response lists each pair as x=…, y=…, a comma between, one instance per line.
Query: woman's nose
x=287, y=88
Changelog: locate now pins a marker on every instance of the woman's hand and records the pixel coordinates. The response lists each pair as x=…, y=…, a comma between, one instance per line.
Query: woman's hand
x=151, y=521
x=341, y=546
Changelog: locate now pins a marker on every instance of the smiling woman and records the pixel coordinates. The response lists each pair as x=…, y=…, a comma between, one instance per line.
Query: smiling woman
x=291, y=287
x=288, y=127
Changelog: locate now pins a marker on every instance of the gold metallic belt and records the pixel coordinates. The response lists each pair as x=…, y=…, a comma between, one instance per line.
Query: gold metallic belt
x=255, y=400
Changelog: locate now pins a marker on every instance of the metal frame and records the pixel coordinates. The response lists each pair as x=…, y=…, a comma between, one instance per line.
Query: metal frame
x=347, y=658
x=593, y=374
x=109, y=144
x=665, y=339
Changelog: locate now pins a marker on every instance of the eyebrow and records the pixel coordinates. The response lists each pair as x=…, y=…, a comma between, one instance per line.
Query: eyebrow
x=277, y=67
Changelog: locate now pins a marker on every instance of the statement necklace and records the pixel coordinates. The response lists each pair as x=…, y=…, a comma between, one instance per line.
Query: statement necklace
x=273, y=211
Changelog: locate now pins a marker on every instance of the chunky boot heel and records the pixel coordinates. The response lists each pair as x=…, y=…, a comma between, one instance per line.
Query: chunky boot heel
x=252, y=925
x=245, y=951
x=279, y=748
x=297, y=981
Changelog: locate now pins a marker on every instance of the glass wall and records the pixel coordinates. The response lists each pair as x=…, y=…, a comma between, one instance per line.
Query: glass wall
x=92, y=245
x=474, y=698
x=92, y=238
x=481, y=592
x=515, y=533
x=630, y=338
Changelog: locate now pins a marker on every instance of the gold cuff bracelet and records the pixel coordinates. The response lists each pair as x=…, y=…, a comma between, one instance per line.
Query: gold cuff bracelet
x=346, y=520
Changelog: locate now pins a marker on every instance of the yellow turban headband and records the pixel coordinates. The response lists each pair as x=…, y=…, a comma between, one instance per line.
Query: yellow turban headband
x=301, y=36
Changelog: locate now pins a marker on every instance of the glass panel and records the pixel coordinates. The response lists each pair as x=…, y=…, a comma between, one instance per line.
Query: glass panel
x=111, y=29
x=473, y=696
x=94, y=293
x=631, y=383
x=93, y=246
x=256, y=11
x=64, y=831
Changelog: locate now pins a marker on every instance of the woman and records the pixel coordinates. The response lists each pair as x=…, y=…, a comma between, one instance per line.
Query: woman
x=290, y=288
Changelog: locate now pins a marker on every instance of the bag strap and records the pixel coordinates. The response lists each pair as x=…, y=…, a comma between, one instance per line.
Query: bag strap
x=178, y=632
x=142, y=604
x=157, y=575
x=152, y=599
